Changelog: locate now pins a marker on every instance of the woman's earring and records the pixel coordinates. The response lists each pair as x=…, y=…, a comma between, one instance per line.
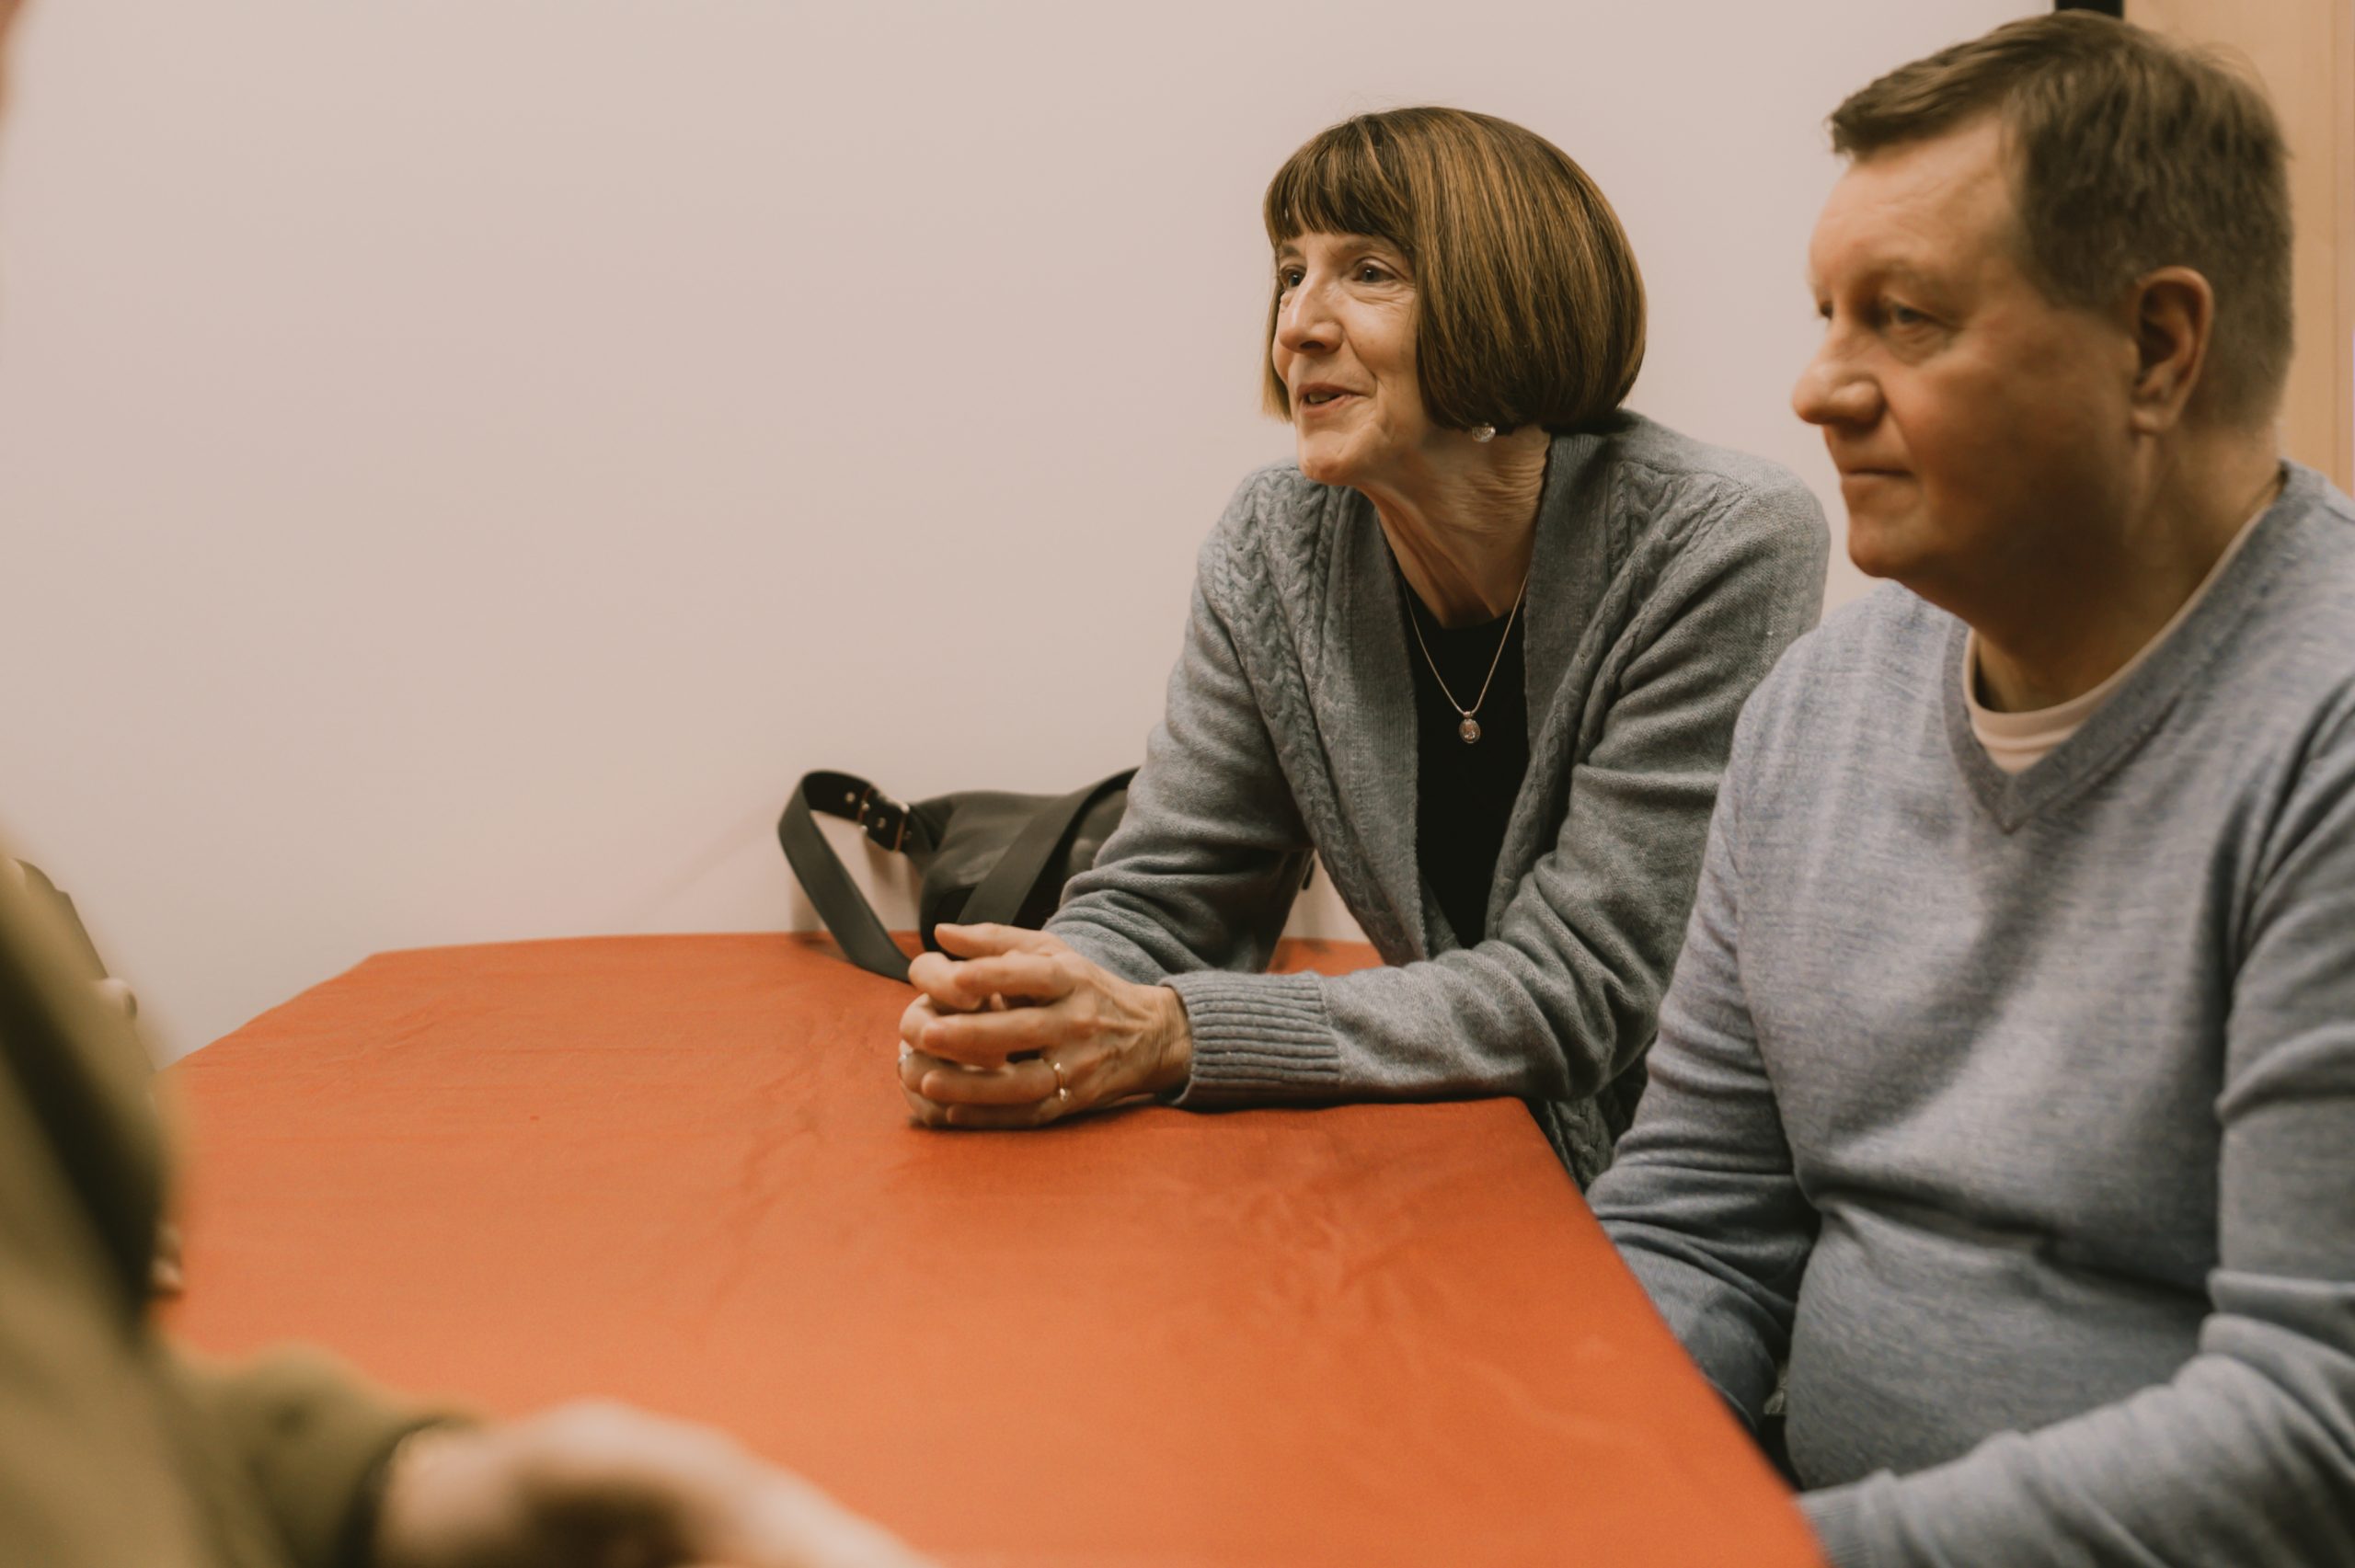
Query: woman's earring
x=1483, y=432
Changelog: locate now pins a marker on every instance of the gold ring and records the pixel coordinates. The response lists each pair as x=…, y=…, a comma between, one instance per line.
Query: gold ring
x=1063, y=1088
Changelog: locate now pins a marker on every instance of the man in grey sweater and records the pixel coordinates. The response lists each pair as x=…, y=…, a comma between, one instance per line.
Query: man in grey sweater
x=2005, y=1087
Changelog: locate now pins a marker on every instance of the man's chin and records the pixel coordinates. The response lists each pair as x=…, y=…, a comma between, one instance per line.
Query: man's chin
x=1880, y=547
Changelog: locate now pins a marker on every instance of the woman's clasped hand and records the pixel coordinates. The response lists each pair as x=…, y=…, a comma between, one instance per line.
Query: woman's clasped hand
x=1012, y=1028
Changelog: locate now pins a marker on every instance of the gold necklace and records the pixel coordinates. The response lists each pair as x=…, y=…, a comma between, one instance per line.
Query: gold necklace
x=1470, y=728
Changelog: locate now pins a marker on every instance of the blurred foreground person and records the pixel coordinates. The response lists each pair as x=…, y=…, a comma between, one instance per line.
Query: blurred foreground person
x=2006, y=1085
x=115, y=1450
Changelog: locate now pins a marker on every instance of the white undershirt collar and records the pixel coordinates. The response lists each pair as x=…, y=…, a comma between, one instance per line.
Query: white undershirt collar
x=2016, y=742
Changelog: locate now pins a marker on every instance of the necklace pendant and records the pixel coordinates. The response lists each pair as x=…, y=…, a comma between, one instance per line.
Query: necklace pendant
x=1469, y=730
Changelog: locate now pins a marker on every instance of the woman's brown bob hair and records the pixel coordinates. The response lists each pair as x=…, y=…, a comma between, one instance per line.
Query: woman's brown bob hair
x=1528, y=306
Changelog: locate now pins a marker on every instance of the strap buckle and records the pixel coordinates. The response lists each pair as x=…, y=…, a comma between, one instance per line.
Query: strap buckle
x=884, y=819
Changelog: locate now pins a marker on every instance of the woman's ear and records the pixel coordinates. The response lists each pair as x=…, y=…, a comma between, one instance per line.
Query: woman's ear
x=2174, y=315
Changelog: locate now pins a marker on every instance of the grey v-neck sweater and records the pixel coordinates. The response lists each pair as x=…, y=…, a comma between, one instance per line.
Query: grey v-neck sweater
x=1668, y=577
x=2019, y=1112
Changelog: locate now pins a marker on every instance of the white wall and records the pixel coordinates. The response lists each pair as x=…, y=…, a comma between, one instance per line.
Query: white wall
x=461, y=460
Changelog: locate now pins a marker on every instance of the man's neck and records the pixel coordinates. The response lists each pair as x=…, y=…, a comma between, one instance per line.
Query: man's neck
x=2089, y=610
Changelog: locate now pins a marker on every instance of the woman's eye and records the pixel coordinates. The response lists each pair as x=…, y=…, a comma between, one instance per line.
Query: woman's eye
x=1373, y=272
x=1287, y=278
x=1903, y=315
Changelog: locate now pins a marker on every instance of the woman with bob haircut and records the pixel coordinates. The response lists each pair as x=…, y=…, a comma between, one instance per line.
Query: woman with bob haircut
x=1479, y=649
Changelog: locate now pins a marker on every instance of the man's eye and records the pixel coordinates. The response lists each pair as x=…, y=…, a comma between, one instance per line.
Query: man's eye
x=1903, y=315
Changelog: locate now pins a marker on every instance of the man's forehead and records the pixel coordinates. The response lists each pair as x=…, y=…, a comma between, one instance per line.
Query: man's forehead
x=1923, y=209
x=1903, y=266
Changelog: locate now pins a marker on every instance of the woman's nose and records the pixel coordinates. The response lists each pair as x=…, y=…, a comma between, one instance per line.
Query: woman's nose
x=1304, y=322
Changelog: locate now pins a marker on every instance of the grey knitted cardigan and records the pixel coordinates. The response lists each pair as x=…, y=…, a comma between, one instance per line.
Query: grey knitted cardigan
x=1667, y=575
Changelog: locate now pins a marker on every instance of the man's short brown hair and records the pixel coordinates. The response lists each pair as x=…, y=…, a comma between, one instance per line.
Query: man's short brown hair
x=1528, y=306
x=2129, y=153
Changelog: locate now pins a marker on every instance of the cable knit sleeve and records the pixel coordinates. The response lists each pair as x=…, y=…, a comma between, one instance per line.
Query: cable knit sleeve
x=1201, y=873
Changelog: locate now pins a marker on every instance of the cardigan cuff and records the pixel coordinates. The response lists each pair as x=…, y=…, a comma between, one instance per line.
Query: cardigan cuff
x=1256, y=1038
x=1838, y=1515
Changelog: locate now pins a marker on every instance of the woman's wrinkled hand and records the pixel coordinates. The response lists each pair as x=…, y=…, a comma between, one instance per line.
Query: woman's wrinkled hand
x=1012, y=1029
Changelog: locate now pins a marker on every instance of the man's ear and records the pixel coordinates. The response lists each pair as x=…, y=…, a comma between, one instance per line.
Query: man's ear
x=2173, y=317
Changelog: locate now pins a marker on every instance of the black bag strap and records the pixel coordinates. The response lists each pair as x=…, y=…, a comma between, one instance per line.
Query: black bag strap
x=1016, y=875
x=902, y=828
x=893, y=824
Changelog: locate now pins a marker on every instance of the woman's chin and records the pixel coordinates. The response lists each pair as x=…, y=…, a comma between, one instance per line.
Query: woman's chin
x=1319, y=461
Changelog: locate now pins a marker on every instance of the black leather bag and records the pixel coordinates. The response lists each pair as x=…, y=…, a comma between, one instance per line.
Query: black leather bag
x=985, y=855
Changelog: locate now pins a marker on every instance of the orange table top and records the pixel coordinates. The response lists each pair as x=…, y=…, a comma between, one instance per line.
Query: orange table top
x=678, y=1170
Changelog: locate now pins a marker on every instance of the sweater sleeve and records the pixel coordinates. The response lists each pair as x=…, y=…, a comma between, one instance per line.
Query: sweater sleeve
x=308, y=1439
x=2247, y=1454
x=1563, y=997
x=1702, y=1201
x=89, y=1470
x=114, y=1448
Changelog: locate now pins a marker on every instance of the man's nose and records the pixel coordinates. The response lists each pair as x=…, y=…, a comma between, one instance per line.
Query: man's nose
x=1833, y=390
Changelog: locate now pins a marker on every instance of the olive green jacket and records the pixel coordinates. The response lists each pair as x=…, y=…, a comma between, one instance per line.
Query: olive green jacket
x=115, y=1448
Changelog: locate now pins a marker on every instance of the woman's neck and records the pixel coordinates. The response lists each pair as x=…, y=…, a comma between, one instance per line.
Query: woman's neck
x=1463, y=523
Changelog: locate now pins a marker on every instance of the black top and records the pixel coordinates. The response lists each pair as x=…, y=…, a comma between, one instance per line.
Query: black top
x=1464, y=792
